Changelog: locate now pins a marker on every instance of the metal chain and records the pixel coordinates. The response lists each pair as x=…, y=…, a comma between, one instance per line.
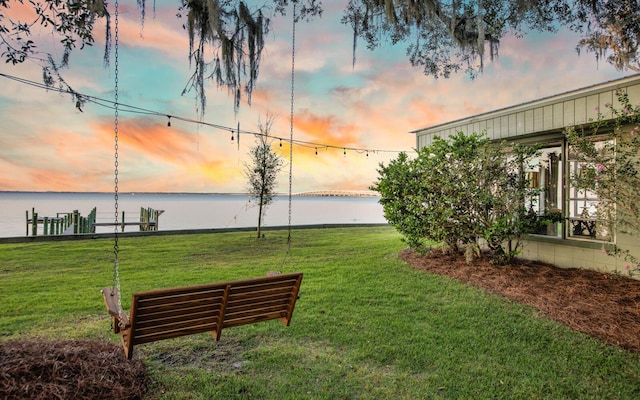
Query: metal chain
x=116, y=249
x=293, y=70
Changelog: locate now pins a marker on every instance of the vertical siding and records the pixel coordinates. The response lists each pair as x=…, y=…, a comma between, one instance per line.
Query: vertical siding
x=492, y=129
x=569, y=110
x=528, y=121
x=513, y=124
x=593, y=106
x=558, y=114
x=580, y=105
x=504, y=126
x=475, y=127
x=519, y=123
x=547, y=119
x=634, y=93
x=604, y=99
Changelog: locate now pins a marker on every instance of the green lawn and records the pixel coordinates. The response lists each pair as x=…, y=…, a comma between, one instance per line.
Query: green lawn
x=367, y=326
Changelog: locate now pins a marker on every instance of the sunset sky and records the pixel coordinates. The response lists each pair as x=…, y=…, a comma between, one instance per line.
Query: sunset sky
x=48, y=145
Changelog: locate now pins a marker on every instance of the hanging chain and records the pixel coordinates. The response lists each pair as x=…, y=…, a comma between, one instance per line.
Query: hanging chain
x=116, y=249
x=293, y=70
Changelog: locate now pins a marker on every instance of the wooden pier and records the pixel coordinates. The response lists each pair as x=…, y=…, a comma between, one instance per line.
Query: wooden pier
x=73, y=223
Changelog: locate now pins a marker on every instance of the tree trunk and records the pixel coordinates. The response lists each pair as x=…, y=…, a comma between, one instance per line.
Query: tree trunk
x=259, y=217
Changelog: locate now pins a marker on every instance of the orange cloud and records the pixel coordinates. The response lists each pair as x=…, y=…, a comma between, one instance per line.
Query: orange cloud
x=148, y=138
x=259, y=96
x=423, y=112
x=326, y=130
x=55, y=175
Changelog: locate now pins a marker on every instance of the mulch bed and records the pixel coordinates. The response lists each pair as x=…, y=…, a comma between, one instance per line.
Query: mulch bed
x=602, y=305
x=72, y=369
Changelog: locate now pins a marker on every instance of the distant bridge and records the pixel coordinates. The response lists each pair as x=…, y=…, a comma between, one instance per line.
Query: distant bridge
x=338, y=193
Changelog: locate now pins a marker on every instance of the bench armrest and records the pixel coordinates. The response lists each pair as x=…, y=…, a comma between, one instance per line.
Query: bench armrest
x=110, y=297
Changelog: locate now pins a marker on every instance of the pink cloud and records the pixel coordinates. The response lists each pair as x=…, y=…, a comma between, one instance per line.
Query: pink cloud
x=326, y=129
x=164, y=35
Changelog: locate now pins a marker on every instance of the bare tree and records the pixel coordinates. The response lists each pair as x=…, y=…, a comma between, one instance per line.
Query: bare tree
x=262, y=171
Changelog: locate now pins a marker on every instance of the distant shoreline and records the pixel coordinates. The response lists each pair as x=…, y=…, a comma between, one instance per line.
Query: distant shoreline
x=134, y=193
x=316, y=193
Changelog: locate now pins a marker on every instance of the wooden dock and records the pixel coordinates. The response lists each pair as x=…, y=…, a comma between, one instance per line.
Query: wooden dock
x=73, y=223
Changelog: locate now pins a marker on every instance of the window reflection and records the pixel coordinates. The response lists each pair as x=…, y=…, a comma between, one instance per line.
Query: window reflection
x=586, y=221
x=544, y=175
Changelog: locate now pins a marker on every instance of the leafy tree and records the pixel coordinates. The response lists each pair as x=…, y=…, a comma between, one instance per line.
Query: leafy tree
x=459, y=192
x=611, y=169
x=227, y=37
x=262, y=171
x=70, y=21
x=449, y=35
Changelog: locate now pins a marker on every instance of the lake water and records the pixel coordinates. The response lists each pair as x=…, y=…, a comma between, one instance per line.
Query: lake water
x=187, y=211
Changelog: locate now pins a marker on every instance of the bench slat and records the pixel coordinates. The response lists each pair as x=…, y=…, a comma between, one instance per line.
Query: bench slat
x=168, y=333
x=160, y=319
x=181, y=306
x=149, y=300
x=252, y=318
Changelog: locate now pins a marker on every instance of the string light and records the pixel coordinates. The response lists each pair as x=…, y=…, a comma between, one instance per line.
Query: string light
x=122, y=108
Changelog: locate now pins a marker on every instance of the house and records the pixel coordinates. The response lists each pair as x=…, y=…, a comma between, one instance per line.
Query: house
x=579, y=240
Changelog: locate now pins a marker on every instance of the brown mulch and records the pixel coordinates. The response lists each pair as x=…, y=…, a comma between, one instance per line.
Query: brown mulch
x=601, y=305
x=71, y=369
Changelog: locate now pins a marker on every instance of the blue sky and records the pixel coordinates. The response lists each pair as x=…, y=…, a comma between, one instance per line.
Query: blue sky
x=47, y=145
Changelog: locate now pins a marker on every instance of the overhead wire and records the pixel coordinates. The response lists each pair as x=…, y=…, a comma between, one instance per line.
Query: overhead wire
x=172, y=118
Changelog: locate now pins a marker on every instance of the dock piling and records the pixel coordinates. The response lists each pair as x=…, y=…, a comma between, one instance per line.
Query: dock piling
x=74, y=223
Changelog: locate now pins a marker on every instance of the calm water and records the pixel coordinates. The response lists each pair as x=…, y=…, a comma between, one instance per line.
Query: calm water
x=187, y=211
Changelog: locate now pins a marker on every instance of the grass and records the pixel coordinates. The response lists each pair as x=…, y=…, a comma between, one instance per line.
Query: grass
x=367, y=326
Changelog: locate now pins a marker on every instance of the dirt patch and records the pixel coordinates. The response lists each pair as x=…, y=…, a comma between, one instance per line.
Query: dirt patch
x=206, y=354
x=74, y=369
x=602, y=305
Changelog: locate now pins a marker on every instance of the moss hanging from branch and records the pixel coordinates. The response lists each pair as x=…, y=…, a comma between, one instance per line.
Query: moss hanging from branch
x=449, y=35
x=235, y=37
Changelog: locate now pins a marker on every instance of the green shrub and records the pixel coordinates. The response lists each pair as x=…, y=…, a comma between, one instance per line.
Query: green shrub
x=460, y=192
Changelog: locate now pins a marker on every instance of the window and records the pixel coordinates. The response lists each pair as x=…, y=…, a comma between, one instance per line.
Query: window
x=545, y=173
x=587, y=217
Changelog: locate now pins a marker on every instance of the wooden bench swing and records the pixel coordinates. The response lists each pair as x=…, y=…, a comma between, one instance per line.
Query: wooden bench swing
x=174, y=312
